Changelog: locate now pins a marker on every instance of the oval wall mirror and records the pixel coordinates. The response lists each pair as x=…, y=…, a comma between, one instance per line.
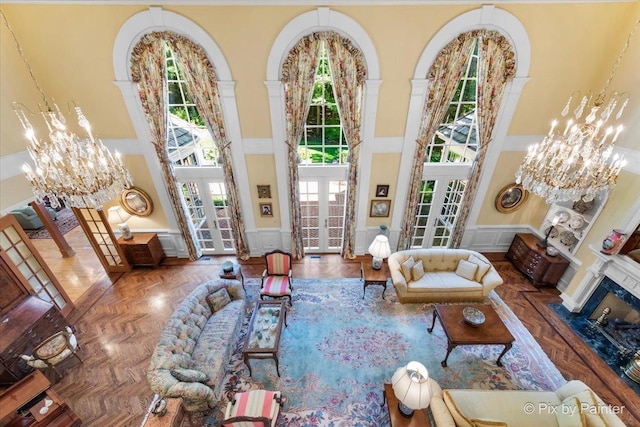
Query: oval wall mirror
x=136, y=201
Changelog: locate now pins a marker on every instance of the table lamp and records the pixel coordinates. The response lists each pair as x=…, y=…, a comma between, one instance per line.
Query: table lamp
x=379, y=249
x=117, y=215
x=411, y=386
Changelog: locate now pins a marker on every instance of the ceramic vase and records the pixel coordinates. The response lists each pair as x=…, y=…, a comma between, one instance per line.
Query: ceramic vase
x=612, y=242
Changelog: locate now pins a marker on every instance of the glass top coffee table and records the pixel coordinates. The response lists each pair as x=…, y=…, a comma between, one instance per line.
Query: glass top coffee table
x=459, y=332
x=263, y=336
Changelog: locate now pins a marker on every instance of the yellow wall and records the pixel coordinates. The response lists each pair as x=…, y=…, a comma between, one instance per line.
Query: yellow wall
x=261, y=170
x=384, y=172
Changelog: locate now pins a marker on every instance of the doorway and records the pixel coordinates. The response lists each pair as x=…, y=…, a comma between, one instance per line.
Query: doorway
x=322, y=205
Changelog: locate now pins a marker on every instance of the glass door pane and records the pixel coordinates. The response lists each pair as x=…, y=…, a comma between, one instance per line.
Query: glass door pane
x=335, y=215
x=310, y=210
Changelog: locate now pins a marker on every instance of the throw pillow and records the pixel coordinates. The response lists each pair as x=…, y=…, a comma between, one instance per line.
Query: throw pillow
x=406, y=267
x=218, y=299
x=466, y=269
x=417, y=271
x=189, y=375
x=569, y=413
x=590, y=407
x=483, y=267
x=484, y=422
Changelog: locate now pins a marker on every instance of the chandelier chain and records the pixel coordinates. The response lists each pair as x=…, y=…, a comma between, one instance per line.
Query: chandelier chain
x=617, y=63
x=24, y=59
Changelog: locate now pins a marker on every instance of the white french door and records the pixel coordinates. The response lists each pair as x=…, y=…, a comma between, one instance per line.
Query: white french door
x=322, y=204
x=206, y=200
x=441, y=194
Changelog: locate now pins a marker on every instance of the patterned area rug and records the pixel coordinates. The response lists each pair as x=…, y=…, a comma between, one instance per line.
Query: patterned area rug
x=65, y=220
x=339, y=349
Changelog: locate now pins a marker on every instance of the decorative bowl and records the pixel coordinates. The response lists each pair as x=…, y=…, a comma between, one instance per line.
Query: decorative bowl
x=227, y=266
x=473, y=316
x=551, y=251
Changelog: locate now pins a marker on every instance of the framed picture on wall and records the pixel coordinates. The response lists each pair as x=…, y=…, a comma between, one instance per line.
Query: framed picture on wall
x=266, y=209
x=380, y=208
x=264, y=191
x=382, y=191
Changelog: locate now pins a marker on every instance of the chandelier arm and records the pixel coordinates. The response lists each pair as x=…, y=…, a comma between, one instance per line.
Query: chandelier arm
x=617, y=63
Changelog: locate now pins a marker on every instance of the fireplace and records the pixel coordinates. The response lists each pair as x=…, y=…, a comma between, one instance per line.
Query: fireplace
x=609, y=323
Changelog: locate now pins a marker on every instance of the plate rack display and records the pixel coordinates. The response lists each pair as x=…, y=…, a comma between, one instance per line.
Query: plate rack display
x=574, y=220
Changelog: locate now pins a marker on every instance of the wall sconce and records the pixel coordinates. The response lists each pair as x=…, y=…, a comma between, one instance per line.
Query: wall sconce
x=117, y=215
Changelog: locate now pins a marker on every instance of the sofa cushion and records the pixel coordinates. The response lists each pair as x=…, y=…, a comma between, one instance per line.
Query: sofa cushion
x=189, y=375
x=466, y=269
x=218, y=299
x=590, y=408
x=406, y=267
x=509, y=406
x=487, y=422
x=569, y=414
x=443, y=282
x=417, y=271
x=483, y=267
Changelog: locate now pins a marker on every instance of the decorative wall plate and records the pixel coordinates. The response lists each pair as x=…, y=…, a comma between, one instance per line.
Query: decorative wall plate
x=567, y=238
x=576, y=222
x=562, y=216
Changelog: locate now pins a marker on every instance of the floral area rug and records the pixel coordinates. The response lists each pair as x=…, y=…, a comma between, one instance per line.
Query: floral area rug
x=65, y=220
x=339, y=349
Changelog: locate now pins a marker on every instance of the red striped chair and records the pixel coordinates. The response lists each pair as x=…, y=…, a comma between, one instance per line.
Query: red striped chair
x=255, y=408
x=276, y=278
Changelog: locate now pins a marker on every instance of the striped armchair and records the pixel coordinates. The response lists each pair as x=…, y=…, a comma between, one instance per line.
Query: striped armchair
x=276, y=278
x=255, y=408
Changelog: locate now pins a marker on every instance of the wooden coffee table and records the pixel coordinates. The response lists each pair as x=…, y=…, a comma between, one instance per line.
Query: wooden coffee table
x=458, y=332
x=263, y=336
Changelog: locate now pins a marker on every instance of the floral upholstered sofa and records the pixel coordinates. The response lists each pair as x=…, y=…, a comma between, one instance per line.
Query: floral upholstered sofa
x=196, y=345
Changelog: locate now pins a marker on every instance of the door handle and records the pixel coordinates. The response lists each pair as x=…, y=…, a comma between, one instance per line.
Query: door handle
x=325, y=223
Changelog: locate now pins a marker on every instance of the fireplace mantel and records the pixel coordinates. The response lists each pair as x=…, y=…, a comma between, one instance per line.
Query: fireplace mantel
x=619, y=268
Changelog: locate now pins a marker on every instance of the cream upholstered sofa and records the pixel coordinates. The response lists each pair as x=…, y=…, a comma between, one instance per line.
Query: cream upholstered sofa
x=197, y=343
x=444, y=278
x=573, y=404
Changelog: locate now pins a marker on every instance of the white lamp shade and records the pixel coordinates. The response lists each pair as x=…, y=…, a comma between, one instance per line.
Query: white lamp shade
x=379, y=248
x=117, y=215
x=411, y=385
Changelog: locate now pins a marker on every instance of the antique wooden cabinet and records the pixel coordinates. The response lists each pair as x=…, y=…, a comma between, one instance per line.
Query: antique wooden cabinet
x=533, y=262
x=143, y=250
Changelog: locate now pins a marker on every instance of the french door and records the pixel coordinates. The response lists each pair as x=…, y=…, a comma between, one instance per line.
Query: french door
x=441, y=194
x=208, y=208
x=322, y=204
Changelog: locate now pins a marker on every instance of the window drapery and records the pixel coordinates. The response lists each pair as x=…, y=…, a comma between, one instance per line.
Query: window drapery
x=496, y=67
x=148, y=71
x=349, y=75
x=444, y=76
x=202, y=85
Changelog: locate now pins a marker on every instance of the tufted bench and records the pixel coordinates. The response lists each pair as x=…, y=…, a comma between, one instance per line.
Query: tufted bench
x=195, y=347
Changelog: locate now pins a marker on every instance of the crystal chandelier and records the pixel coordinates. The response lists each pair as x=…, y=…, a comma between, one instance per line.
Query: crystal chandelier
x=577, y=163
x=79, y=172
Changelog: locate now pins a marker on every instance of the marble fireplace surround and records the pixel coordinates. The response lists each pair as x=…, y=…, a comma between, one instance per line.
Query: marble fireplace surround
x=619, y=268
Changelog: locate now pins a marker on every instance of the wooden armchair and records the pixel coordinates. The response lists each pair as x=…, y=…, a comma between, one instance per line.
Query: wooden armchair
x=53, y=351
x=255, y=408
x=276, y=278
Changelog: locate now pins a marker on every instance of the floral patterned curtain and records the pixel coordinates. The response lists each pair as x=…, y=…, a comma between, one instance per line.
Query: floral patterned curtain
x=298, y=77
x=444, y=76
x=148, y=71
x=496, y=67
x=349, y=75
x=202, y=85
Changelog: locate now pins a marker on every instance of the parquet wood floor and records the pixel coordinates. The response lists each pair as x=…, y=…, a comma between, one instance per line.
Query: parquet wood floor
x=118, y=325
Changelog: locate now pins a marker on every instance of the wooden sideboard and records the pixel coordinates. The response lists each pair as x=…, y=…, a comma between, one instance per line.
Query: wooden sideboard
x=32, y=402
x=533, y=262
x=22, y=328
x=143, y=249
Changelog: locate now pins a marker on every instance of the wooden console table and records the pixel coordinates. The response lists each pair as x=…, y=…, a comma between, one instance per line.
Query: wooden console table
x=143, y=250
x=32, y=402
x=533, y=262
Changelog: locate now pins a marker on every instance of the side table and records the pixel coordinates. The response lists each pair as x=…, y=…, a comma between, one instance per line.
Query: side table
x=143, y=249
x=373, y=277
x=420, y=417
x=235, y=274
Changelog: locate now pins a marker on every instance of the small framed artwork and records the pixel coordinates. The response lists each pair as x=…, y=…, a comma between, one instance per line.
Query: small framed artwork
x=511, y=198
x=382, y=191
x=264, y=191
x=266, y=209
x=380, y=208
